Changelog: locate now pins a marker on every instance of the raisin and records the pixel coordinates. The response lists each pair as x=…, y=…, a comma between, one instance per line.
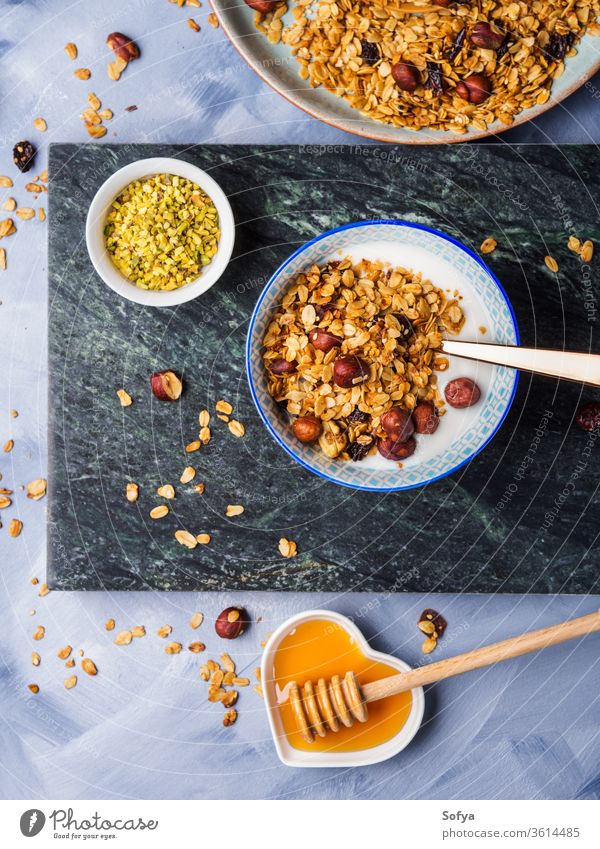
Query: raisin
x=503, y=49
x=406, y=328
x=358, y=416
x=369, y=52
x=457, y=45
x=357, y=451
x=434, y=79
x=558, y=45
x=24, y=155
x=588, y=416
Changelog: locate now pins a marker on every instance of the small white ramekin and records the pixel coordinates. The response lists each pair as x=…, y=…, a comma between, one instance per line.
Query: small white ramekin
x=296, y=757
x=96, y=218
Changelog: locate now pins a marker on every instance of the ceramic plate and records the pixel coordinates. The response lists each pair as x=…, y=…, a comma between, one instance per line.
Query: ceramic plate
x=489, y=318
x=277, y=67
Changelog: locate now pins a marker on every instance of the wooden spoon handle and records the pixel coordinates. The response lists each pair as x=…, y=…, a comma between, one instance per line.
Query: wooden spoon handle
x=486, y=656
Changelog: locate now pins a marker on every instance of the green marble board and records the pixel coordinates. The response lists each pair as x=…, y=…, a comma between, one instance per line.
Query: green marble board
x=521, y=517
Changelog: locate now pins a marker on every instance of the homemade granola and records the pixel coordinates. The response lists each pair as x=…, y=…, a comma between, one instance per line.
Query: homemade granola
x=441, y=65
x=351, y=353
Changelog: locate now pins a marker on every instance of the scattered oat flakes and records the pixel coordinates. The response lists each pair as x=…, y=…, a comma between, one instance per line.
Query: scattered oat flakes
x=44, y=590
x=9, y=204
x=587, y=250
x=4, y=502
x=193, y=25
x=7, y=227
x=551, y=263
x=241, y=682
x=124, y=397
x=83, y=73
x=258, y=690
x=196, y=620
x=188, y=474
x=488, y=245
x=166, y=491
x=109, y=625
x=429, y=645
x=34, y=688
x=116, y=68
x=89, y=666
x=36, y=489
x=96, y=131
x=132, y=492
x=94, y=101
x=71, y=682
x=71, y=50
x=173, y=648
x=2, y=259
x=224, y=407
x=203, y=539
x=41, y=213
x=138, y=631
x=204, y=418
x=64, y=653
x=8, y=446
x=39, y=633
x=40, y=125
x=234, y=510
x=25, y=213
x=287, y=547
x=123, y=638
x=35, y=188
x=15, y=527
x=199, y=487
x=6, y=182
x=34, y=581
x=105, y=114
x=70, y=663
x=227, y=662
x=574, y=244
x=213, y=20
x=186, y=538
x=159, y=512
x=236, y=428
x=197, y=648
x=164, y=631
x=192, y=446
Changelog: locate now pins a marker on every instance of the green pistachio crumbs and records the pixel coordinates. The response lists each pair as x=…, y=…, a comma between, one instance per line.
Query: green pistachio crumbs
x=161, y=231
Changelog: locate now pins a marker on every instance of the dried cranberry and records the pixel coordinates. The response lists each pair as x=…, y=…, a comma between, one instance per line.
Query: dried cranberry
x=588, y=416
x=462, y=392
x=369, y=51
x=357, y=451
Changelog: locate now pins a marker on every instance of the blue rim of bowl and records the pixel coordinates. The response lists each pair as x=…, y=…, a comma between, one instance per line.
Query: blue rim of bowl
x=398, y=222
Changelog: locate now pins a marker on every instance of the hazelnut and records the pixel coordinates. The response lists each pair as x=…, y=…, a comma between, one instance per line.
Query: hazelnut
x=462, y=392
x=588, y=416
x=166, y=385
x=425, y=418
x=231, y=623
x=486, y=36
x=397, y=424
x=474, y=89
x=391, y=449
x=405, y=76
x=123, y=46
x=282, y=367
x=323, y=340
x=349, y=371
x=262, y=6
x=307, y=429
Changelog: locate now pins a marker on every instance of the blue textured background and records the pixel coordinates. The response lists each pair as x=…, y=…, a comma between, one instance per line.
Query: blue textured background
x=526, y=729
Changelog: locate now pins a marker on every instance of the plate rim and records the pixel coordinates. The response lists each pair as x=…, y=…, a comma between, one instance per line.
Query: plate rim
x=254, y=317
x=453, y=138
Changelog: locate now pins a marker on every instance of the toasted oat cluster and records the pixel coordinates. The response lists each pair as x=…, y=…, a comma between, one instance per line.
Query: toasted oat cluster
x=351, y=353
x=441, y=65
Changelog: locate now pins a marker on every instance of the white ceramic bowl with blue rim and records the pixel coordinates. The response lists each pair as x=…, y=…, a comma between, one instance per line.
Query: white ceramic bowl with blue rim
x=489, y=317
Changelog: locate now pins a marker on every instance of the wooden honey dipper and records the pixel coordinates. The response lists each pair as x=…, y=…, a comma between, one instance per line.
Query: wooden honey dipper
x=326, y=705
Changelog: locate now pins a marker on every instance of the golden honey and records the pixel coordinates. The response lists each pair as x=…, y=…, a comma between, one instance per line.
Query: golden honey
x=319, y=649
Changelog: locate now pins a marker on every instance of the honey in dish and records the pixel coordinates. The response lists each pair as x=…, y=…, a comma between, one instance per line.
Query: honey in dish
x=320, y=649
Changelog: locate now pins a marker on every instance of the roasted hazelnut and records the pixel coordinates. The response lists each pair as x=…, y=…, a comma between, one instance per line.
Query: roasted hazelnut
x=462, y=392
x=231, y=623
x=486, y=36
x=391, y=449
x=282, y=367
x=405, y=76
x=588, y=416
x=166, y=385
x=349, y=371
x=323, y=340
x=425, y=418
x=262, y=6
x=474, y=89
x=307, y=428
x=397, y=424
x=123, y=46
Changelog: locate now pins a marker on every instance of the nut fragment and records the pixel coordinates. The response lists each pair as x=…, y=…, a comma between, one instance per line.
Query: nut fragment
x=40, y=125
x=164, y=631
x=116, y=68
x=123, y=47
x=44, y=590
x=429, y=645
x=587, y=250
x=230, y=717
x=234, y=510
x=231, y=623
x=36, y=489
x=71, y=50
x=193, y=25
x=15, y=527
x=89, y=666
x=193, y=446
x=173, y=648
x=488, y=245
x=186, y=538
x=35, y=658
x=39, y=633
x=34, y=688
x=551, y=263
x=132, y=492
x=64, y=653
x=71, y=682
x=138, y=631
x=213, y=20
x=159, y=512
x=197, y=648
x=8, y=446
x=109, y=625
x=166, y=491
x=124, y=397
x=166, y=385
x=188, y=474
x=287, y=547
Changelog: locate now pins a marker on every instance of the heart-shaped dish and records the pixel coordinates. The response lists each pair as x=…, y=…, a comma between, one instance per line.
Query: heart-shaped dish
x=290, y=755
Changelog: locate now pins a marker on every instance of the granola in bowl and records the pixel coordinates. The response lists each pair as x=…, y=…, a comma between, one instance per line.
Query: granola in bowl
x=352, y=352
x=446, y=66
